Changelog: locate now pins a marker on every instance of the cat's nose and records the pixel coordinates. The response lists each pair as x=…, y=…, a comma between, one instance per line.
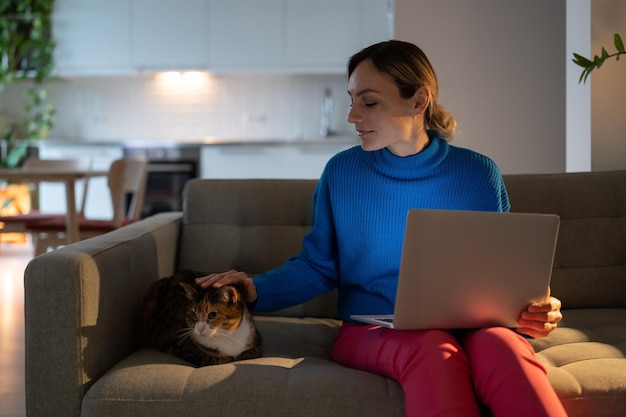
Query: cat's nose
x=201, y=327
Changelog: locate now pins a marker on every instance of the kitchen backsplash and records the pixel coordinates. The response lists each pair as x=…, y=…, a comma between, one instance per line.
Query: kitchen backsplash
x=191, y=106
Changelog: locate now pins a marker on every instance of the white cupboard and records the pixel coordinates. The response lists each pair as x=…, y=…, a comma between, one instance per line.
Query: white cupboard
x=376, y=21
x=245, y=35
x=287, y=161
x=290, y=36
x=92, y=37
x=298, y=36
x=319, y=39
x=167, y=35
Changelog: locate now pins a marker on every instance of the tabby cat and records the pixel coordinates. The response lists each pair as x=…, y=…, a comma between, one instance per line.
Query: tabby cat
x=202, y=326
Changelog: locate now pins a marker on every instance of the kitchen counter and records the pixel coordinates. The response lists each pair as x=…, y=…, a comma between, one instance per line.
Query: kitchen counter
x=214, y=158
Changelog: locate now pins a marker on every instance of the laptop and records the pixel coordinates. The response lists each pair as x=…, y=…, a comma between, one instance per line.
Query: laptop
x=470, y=269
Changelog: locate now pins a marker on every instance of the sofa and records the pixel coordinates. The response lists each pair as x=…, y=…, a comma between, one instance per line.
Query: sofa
x=85, y=354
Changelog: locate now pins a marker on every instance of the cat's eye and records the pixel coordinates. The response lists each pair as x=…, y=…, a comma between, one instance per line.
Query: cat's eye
x=213, y=315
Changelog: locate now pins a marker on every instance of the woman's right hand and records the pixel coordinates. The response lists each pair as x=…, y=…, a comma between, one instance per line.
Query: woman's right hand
x=239, y=279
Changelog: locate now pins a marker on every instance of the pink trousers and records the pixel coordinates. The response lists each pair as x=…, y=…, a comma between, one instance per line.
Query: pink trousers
x=450, y=374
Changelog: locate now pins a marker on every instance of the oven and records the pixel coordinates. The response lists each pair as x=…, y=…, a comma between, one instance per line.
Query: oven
x=169, y=168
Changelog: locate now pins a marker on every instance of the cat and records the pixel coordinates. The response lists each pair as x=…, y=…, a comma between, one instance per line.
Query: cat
x=201, y=326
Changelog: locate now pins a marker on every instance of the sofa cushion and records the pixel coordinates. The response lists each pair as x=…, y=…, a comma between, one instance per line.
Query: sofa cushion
x=260, y=224
x=295, y=365
x=590, y=261
x=586, y=361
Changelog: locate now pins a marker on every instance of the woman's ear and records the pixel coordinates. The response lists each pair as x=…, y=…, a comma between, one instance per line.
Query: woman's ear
x=422, y=99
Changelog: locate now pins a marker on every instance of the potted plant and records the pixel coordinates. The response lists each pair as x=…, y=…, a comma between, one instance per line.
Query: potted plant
x=26, y=55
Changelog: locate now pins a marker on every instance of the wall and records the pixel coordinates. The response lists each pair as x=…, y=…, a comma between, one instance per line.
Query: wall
x=501, y=67
x=608, y=88
x=172, y=107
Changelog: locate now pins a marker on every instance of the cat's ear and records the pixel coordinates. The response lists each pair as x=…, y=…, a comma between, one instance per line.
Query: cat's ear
x=229, y=294
x=190, y=291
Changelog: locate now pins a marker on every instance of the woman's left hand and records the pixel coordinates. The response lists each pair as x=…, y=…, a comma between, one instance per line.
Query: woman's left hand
x=541, y=317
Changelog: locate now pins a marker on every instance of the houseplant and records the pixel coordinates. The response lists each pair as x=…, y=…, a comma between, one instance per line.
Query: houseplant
x=589, y=65
x=26, y=55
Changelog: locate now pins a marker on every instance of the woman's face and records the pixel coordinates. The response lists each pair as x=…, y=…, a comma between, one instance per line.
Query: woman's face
x=383, y=118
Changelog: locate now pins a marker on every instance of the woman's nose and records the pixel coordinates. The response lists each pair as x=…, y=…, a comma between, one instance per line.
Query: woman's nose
x=353, y=115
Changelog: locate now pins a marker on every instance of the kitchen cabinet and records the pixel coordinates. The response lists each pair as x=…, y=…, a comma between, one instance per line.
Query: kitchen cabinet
x=321, y=34
x=120, y=37
x=298, y=36
x=250, y=160
x=92, y=37
x=376, y=21
x=166, y=36
x=245, y=35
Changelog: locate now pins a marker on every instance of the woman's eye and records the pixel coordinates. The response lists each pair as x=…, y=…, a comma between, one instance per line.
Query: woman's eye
x=213, y=315
x=371, y=104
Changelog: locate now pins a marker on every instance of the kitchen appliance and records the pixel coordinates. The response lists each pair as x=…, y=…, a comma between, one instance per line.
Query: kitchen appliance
x=169, y=168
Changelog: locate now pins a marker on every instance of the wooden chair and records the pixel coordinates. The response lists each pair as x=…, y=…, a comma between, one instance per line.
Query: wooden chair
x=127, y=178
x=18, y=223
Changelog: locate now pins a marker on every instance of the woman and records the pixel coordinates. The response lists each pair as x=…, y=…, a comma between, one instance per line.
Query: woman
x=361, y=202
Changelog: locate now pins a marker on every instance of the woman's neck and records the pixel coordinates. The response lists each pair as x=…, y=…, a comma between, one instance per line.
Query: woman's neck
x=410, y=147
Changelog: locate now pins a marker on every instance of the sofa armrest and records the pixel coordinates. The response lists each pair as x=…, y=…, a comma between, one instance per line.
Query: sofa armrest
x=83, y=306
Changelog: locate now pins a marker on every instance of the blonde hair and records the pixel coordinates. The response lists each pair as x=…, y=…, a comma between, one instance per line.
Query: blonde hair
x=409, y=68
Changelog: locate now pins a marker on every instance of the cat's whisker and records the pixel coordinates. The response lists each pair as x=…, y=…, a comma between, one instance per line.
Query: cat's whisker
x=185, y=333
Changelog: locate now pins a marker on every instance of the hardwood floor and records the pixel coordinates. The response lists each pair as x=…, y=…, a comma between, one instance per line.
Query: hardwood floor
x=13, y=261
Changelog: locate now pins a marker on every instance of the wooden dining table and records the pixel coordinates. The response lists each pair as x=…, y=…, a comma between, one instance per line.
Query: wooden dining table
x=65, y=176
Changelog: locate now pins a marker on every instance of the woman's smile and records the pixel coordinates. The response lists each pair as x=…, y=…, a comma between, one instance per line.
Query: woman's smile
x=363, y=132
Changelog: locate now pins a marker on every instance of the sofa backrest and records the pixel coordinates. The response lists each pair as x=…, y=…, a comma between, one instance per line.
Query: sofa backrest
x=256, y=225
x=251, y=226
x=590, y=262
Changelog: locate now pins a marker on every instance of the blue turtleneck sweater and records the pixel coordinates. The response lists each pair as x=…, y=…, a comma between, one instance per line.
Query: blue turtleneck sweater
x=360, y=208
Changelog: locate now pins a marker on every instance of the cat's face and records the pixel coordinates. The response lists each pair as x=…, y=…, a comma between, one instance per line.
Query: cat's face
x=213, y=311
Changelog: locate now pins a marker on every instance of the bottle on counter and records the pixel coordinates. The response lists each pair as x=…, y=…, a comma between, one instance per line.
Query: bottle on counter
x=327, y=111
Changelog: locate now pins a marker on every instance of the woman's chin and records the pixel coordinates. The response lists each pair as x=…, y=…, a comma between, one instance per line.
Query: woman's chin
x=371, y=146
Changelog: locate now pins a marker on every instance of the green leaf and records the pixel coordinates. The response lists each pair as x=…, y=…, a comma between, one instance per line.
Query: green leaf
x=7, y=203
x=584, y=75
x=15, y=156
x=581, y=60
x=605, y=54
x=619, y=45
x=597, y=61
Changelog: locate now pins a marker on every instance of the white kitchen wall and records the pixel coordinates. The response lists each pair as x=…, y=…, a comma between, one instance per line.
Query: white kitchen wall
x=192, y=106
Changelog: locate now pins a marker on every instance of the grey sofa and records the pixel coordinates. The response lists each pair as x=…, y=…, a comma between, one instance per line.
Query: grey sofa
x=84, y=354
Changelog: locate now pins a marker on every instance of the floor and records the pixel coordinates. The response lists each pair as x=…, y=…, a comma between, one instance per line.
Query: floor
x=13, y=260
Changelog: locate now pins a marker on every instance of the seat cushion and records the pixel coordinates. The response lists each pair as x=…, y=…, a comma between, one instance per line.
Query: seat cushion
x=58, y=224
x=20, y=222
x=586, y=361
x=295, y=376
